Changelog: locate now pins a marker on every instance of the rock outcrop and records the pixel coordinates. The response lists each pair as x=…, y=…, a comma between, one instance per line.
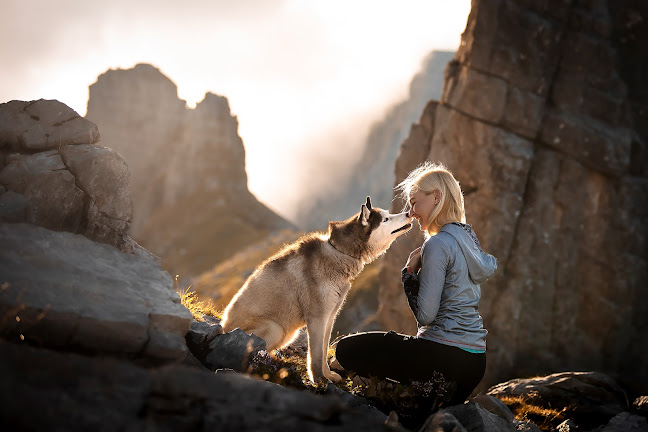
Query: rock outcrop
x=192, y=206
x=475, y=418
x=373, y=173
x=52, y=174
x=75, y=392
x=542, y=121
x=586, y=399
x=62, y=291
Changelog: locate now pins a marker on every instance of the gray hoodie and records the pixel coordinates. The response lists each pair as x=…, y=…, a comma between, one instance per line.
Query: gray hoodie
x=453, y=268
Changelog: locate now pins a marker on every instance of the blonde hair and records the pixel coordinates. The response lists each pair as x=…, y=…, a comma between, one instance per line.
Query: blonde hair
x=427, y=178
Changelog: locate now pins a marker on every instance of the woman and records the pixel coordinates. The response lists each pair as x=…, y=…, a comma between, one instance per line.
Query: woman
x=441, y=281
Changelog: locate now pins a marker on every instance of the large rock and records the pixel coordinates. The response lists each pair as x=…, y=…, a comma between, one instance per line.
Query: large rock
x=64, y=291
x=542, y=121
x=45, y=390
x=474, y=418
x=43, y=125
x=233, y=350
x=73, y=186
x=590, y=399
x=626, y=422
x=192, y=206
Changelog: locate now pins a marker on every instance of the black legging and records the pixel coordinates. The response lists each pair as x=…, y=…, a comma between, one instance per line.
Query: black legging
x=407, y=358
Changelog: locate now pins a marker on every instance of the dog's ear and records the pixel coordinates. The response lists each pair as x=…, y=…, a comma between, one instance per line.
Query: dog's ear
x=368, y=204
x=363, y=217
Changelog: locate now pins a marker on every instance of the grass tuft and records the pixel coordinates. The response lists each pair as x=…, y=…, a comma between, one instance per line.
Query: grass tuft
x=198, y=308
x=547, y=419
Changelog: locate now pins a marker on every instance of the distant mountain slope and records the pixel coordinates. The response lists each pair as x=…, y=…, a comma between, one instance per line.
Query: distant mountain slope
x=191, y=201
x=374, y=173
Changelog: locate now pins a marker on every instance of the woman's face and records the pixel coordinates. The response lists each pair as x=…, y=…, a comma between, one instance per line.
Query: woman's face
x=421, y=206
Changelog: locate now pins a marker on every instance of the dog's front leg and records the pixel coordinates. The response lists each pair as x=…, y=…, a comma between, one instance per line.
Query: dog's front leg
x=316, y=355
x=328, y=373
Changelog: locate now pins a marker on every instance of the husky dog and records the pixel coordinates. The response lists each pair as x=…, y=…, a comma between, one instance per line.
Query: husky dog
x=307, y=282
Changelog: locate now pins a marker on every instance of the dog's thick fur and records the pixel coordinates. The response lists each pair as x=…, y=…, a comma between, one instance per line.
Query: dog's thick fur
x=307, y=282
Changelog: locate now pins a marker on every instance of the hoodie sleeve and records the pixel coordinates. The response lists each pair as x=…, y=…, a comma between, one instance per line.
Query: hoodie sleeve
x=431, y=280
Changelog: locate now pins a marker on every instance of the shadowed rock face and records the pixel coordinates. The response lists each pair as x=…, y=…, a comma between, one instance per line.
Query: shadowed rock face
x=74, y=392
x=63, y=291
x=542, y=121
x=192, y=206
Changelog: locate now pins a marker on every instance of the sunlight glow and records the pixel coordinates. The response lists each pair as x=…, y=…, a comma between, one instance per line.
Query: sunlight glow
x=303, y=78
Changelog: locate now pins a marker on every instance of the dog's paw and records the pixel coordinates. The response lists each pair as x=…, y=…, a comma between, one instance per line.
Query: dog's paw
x=334, y=377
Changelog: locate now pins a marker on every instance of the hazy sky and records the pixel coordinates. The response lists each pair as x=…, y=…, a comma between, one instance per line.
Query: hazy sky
x=305, y=78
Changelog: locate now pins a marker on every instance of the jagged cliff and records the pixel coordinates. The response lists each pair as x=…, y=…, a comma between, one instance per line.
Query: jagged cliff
x=542, y=120
x=373, y=173
x=192, y=205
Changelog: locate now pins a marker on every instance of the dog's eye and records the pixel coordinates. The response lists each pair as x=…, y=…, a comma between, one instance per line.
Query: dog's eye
x=386, y=219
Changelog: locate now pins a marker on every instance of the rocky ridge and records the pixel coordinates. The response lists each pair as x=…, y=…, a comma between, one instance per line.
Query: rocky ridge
x=182, y=162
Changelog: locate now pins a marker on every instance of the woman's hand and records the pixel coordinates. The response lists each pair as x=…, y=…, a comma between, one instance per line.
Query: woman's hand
x=414, y=261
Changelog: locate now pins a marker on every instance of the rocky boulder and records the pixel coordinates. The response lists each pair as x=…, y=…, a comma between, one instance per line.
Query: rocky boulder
x=233, y=350
x=588, y=399
x=63, y=291
x=626, y=422
x=542, y=121
x=43, y=125
x=475, y=418
x=75, y=392
x=218, y=350
x=199, y=337
x=53, y=175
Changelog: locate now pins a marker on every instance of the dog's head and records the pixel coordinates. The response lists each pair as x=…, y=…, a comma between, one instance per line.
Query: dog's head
x=369, y=233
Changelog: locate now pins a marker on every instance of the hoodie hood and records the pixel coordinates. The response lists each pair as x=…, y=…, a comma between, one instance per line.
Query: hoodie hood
x=480, y=264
